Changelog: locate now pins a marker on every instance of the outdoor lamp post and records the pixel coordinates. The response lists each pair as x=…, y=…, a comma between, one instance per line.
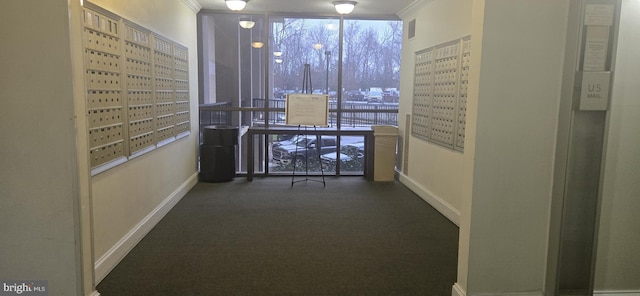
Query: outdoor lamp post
x=327, y=53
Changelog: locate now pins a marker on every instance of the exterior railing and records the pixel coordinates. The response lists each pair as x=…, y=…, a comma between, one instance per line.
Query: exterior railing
x=354, y=114
x=214, y=114
x=252, y=114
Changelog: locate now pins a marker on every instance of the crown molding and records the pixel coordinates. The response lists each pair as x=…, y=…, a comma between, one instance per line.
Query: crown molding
x=193, y=4
x=412, y=7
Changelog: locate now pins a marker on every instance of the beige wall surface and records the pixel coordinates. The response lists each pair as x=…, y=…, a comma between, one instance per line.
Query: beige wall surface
x=124, y=197
x=514, y=94
x=38, y=168
x=439, y=175
x=518, y=99
x=432, y=168
x=618, y=258
x=501, y=184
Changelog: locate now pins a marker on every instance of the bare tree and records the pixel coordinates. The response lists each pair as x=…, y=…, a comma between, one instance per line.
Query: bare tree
x=323, y=42
x=352, y=56
x=371, y=54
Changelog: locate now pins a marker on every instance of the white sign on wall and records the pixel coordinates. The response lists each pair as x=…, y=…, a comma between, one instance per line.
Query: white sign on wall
x=594, y=95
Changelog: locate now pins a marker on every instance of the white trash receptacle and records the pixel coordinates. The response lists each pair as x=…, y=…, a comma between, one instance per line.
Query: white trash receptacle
x=384, y=158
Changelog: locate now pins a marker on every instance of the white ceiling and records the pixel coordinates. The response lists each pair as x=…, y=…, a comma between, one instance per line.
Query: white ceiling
x=364, y=8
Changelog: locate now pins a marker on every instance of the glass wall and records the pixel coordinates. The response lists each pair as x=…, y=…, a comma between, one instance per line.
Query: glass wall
x=247, y=72
x=232, y=64
x=296, y=42
x=371, y=72
x=304, y=60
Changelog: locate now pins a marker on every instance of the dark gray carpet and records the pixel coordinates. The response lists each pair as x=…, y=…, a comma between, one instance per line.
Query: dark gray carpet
x=264, y=237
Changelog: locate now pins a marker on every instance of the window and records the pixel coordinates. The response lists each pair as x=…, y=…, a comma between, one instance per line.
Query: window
x=246, y=74
x=371, y=72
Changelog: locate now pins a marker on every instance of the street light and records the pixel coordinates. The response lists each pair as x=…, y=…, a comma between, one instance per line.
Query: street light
x=327, y=53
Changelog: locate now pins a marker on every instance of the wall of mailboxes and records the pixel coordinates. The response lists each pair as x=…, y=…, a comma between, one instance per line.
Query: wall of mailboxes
x=137, y=88
x=440, y=93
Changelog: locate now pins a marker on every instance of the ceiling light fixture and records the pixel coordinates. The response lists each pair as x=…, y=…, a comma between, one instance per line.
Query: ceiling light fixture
x=236, y=5
x=257, y=44
x=277, y=53
x=246, y=23
x=344, y=7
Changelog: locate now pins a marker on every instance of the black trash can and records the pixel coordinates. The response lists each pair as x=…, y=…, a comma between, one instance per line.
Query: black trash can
x=218, y=153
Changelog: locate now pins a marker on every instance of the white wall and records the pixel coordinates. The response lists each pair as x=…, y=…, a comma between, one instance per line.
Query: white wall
x=514, y=90
x=475, y=66
x=440, y=176
x=433, y=171
x=619, y=239
x=501, y=185
x=129, y=199
x=518, y=98
x=38, y=169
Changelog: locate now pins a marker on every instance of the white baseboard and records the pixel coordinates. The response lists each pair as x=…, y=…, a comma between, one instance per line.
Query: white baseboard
x=536, y=293
x=457, y=290
x=617, y=293
x=431, y=198
x=111, y=258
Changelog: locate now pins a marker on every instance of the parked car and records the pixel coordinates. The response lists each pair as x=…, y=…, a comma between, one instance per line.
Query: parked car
x=333, y=94
x=351, y=158
x=375, y=95
x=354, y=95
x=306, y=148
x=390, y=96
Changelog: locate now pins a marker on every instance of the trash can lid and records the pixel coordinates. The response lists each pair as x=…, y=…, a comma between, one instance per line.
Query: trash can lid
x=386, y=130
x=220, y=127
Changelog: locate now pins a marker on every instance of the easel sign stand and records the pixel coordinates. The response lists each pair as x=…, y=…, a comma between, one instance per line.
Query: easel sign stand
x=306, y=110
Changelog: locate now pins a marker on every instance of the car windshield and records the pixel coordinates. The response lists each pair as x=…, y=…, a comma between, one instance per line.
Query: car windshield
x=303, y=142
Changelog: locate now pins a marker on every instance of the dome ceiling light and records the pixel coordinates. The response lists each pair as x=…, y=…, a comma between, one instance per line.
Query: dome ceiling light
x=344, y=7
x=236, y=5
x=246, y=23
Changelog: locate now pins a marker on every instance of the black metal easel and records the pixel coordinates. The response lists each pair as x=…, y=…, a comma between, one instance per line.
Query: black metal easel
x=307, y=88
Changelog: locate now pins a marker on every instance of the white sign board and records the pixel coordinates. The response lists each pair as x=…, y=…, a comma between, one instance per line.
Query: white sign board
x=598, y=15
x=594, y=94
x=595, y=48
x=307, y=109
